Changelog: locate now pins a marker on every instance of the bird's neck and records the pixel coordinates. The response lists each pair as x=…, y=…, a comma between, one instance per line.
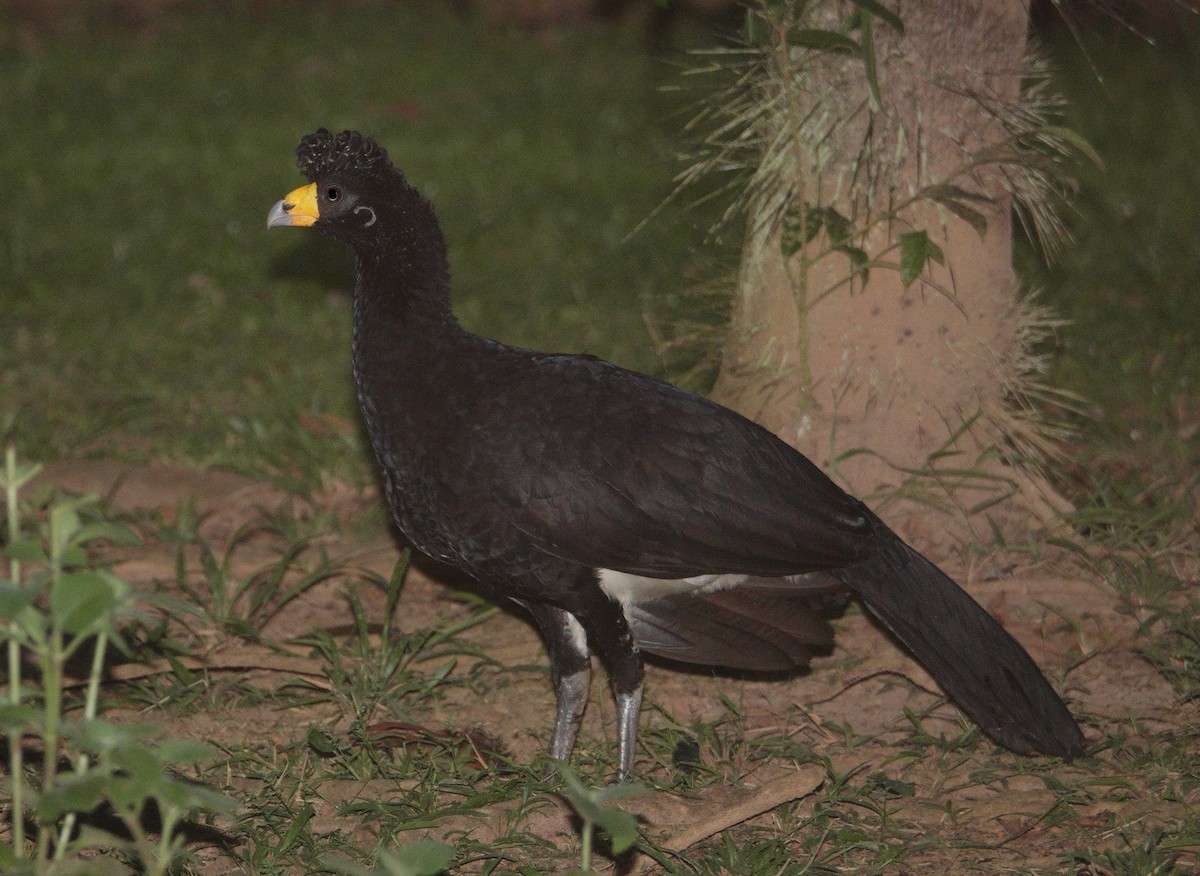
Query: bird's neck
x=402, y=284
x=404, y=330
x=404, y=292
x=407, y=345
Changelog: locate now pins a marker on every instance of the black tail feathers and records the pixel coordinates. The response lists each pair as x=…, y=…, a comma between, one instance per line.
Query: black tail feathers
x=982, y=668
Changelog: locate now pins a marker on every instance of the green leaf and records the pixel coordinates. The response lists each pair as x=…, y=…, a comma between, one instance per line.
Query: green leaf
x=580, y=796
x=185, y=795
x=621, y=827
x=824, y=41
x=299, y=822
x=610, y=793
x=130, y=792
x=950, y=192
x=25, y=551
x=212, y=800
x=955, y=198
x=242, y=628
x=873, y=7
x=424, y=857
x=394, y=587
x=179, y=670
x=348, y=868
x=185, y=751
x=969, y=215
x=74, y=793
x=99, y=735
x=323, y=743
x=836, y=225
x=916, y=249
x=81, y=601
x=858, y=259
x=868, y=57
x=33, y=623
x=170, y=604
x=1076, y=141
x=895, y=787
x=140, y=762
x=73, y=555
x=78, y=600
x=114, y=533
x=14, y=599
x=14, y=718
x=595, y=807
x=64, y=523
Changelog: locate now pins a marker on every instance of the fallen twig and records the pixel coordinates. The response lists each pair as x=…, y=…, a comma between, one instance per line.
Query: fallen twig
x=720, y=815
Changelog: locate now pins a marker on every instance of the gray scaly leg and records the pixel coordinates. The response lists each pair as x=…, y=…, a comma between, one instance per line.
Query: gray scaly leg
x=570, y=671
x=572, y=691
x=629, y=706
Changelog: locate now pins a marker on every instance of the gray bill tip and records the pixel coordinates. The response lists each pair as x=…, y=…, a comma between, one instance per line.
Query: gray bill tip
x=279, y=215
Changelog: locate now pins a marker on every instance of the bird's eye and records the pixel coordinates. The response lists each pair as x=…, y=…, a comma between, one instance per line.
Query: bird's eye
x=333, y=193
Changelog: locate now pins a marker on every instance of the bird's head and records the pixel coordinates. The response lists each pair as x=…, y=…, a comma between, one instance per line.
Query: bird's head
x=350, y=183
x=354, y=194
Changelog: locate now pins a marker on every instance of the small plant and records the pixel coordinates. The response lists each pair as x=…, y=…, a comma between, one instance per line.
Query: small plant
x=367, y=671
x=424, y=857
x=595, y=808
x=242, y=608
x=1150, y=855
x=55, y=605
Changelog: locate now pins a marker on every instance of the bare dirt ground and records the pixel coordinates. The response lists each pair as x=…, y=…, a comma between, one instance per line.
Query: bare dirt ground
x=1007, y=815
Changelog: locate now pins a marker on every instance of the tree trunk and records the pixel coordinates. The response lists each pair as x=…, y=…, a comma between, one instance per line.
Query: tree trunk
x=905, y=394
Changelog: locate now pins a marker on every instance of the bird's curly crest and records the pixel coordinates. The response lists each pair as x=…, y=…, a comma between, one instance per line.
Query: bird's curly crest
x=321, y=153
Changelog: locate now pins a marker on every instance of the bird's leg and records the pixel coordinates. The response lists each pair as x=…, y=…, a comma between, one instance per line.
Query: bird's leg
x=629, y=707
x=572, y=699
x=609, y=635
x=570, y=670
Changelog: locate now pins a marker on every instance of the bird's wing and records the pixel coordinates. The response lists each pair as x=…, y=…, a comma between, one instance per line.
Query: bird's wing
x=646, y=478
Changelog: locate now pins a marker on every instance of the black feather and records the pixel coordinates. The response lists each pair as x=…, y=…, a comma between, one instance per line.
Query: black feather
x=983, y=668
x=349, y=152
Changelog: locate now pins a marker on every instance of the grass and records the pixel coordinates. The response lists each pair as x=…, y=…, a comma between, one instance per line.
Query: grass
x=153, y=318
x=1128, y=283
x=150, y=303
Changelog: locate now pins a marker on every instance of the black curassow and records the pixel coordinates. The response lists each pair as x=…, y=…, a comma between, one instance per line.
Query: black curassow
x=625, y=514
